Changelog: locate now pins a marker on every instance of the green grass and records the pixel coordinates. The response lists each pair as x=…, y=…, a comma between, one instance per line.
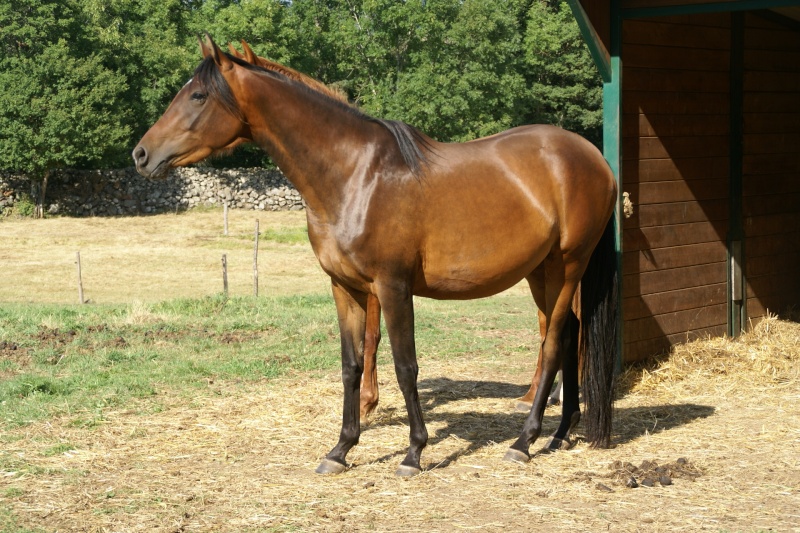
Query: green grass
x=286, y=235
x=10, y=524
x=80, y=361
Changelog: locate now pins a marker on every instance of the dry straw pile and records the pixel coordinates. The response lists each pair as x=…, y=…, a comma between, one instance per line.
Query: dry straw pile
x=765, y=358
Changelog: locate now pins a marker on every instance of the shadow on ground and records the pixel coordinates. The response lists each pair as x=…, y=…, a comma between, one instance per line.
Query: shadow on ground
x=480, y=429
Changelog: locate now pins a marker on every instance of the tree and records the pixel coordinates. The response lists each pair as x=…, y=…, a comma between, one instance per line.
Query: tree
x=463, y=78
x=149, y=42
x=259, y=22
x=57, y=104
x=449, y=67
x=565, y=88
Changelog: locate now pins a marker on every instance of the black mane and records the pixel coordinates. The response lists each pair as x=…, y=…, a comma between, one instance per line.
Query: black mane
x=413, y=145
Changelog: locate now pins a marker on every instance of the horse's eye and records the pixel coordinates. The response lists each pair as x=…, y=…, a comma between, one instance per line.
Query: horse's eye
x=198, y=97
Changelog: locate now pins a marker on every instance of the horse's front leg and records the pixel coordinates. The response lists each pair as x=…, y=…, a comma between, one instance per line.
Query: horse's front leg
x=398, y=309
x=351, y=309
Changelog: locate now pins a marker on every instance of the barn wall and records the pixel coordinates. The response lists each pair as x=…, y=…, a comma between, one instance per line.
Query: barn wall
x=675, y=151
x=771, y=165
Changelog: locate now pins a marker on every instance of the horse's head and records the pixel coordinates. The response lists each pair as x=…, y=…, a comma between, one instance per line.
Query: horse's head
x=202, y=120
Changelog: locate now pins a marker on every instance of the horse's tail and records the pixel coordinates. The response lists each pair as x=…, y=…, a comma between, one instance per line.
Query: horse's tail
x=598, y=344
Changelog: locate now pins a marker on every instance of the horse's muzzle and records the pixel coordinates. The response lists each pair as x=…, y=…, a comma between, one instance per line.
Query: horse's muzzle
x=141, y=159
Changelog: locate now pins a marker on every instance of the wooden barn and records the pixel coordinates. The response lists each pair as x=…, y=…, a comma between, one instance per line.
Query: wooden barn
x=702, y=128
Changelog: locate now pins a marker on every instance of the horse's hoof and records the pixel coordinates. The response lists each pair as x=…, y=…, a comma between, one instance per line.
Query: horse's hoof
x=516, y=456
x=523, y=407
x=366, y=413
x=329, y=466
x=407, y=471
x=558, y=444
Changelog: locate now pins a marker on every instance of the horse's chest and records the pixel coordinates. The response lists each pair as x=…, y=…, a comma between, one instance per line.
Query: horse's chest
x=338, y=259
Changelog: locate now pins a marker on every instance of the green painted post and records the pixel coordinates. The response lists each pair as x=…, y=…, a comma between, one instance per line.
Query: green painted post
x=609, y=64
x=612, y=147
x=737, y=291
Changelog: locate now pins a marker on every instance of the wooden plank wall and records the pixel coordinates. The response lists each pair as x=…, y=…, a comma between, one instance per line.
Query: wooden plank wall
x=675, y=152
x=771, y=165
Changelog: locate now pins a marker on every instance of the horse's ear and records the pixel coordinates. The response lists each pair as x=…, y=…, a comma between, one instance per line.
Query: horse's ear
x=249, y=55
x=204, y=50
x=234, y=51
x=210, y=48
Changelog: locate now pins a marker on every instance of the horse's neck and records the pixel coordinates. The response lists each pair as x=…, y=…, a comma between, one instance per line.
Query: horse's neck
x=317, y=143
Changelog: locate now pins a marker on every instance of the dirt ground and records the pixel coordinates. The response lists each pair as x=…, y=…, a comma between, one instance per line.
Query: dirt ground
x=721, y=450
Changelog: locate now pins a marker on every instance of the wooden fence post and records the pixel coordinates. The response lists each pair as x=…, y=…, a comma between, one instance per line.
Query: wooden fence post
x=225, y=274
x=255, y=262
x=80, y=282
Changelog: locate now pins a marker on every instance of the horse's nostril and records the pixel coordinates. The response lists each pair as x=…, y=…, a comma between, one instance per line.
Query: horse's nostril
x=140, y=156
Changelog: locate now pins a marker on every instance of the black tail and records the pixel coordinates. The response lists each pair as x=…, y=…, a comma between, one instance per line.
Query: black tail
x=599, y=337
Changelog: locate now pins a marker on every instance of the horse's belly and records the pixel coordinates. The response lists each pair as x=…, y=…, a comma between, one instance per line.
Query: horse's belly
x=470, y=271
x=453, y=287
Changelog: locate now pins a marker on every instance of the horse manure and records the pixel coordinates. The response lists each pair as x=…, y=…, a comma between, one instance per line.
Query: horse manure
x=604, y=488
x=649, y=472
x=648, y=465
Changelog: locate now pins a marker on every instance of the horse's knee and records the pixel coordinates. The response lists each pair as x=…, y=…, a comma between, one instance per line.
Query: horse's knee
x=407, y=377
x=351, y=374
x=372, y=339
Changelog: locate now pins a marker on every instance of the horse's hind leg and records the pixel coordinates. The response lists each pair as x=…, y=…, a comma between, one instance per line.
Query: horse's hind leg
x=536, y=282
x=570, y=406
x=372, y=337
x=537, y=286
x=561, y=283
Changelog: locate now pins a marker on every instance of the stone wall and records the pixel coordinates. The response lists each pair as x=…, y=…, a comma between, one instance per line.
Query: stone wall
x=125, y=192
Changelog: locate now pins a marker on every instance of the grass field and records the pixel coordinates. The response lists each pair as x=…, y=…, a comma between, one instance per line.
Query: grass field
x=155, y=258
x=162, y=406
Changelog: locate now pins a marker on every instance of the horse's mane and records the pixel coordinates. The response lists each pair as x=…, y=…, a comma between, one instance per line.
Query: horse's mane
x=308, y=81
x=413, y=145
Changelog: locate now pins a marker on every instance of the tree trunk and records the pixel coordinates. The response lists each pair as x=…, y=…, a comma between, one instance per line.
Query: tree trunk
x=39, y=198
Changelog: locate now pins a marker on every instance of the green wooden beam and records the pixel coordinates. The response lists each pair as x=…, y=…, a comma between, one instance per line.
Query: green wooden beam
x=593, y=41
x=713, y=7
x=612, y=146
x=737, y=291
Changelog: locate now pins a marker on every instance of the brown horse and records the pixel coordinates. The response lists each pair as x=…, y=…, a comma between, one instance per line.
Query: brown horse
x=393, y=214
x=369, y=383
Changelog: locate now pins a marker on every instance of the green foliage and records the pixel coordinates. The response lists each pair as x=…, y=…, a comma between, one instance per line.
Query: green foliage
x=456, y=73
x=24, y=207
x=566, y=89
x=58, y=102
x=82, y=80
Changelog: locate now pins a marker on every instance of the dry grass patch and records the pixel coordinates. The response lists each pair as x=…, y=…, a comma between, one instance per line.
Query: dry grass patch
x=154, y=258
x=240, y=457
